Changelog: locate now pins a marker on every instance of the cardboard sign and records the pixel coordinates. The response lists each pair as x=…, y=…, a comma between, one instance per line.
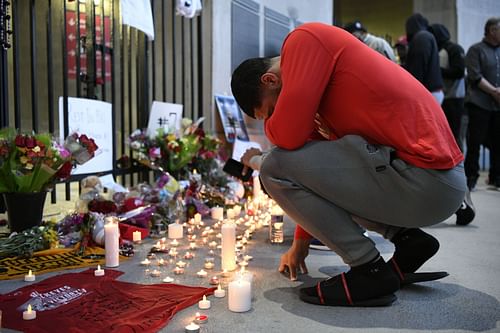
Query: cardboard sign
x=94, y=119
x=164, y=115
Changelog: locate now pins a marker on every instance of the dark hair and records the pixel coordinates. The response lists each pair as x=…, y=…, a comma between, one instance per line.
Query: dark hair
x=245, y=83
x=492, y=21
x=354, y=26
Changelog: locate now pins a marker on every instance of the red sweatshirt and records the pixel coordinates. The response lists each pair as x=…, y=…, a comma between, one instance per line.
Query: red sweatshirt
x=328, y=71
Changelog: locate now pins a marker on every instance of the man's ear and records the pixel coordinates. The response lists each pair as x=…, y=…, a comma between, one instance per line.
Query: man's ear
x=269, y=79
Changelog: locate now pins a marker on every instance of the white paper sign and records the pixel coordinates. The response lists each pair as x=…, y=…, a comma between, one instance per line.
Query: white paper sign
x=164, y=115
x=240, y=147
x=92, y=118
x=137, y=14
x=109, y=182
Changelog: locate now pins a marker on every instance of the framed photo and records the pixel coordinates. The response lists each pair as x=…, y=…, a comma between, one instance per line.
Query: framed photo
x=231, y=118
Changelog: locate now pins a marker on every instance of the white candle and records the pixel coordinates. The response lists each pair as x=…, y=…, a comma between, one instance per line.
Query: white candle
x=230, y=213
x=174, y=243
x=204, y=303
x=228, y=231
x=30, y=277
x=188, y=255
x=237, y=210
x=217, y=213
x=178, y=270
x=202, y=273
x=239, y=296
x=29, y=314
x=212, y=245
x=219, y=292
x=192, y=328
x=111, y=241
x=197, y=218
x=175, y=231
x=168, y=279
x=181, y=264
x=209, y=265
x=99, y=271
x=145, y=262
x=256, y=187
x=155, y=273
x=136, y=236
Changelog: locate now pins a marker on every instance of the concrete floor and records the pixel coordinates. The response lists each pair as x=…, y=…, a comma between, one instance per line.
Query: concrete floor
x=465, y=301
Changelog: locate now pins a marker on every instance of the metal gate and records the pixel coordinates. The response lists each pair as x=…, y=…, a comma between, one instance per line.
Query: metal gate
x=79, y=48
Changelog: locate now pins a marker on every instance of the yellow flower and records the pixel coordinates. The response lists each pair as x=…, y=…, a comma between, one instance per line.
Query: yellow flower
x=36, y=149
x=23, y=159
x=171, y=137
x=29, y=166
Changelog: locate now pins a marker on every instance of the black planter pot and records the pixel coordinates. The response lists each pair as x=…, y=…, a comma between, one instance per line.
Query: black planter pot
x=24, y=210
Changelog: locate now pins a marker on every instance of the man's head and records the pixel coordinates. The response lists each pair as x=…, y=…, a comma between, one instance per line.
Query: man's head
x=492, y=30
x=256, y=84
x=356, y=28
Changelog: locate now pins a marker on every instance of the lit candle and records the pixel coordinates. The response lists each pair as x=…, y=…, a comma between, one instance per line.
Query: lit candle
x=240, y=296
x=192, y=246
x=99, y=271
x=247, y=257
x=243, y=263
x=30, y=277
x=173, y=252
x=174, y=243
x=204, y=303
x=209, y=263
x=197, y=218
x=161, y=262
x=188, y=255
x=256, y=187
x=175, y=230
x=192, y=328
x=136, y=236
x=228, y=231
x=245, y=275
x=178, y=270
x=237, y=210
x=212, y=245
x=200, y=318
x=230, y=213
x=214, y=280
x=155, y=273
x=181, y=264
x=111, y=241
x=168, y=279
x=29, y=314
x=202, y=273
x=219, y=292
x=217, y=213
x=145, y=262
x=225, y=273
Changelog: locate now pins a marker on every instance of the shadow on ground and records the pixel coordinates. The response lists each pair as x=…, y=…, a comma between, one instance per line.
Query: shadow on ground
x=430, y=306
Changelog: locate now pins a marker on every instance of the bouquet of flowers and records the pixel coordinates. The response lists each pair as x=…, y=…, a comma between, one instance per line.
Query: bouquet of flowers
x=23, y=244
x=175, y=151
x=34, y=162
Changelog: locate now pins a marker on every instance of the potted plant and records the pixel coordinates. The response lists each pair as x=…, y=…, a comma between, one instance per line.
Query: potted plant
x=30, y=165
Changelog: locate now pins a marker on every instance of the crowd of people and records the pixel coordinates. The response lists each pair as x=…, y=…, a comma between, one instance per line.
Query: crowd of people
x=361, y=142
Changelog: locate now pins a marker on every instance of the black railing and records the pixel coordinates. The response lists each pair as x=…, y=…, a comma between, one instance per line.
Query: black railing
x=47, y=52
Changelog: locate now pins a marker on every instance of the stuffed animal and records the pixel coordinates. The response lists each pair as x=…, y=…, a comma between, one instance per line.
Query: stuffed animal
x=91, y=189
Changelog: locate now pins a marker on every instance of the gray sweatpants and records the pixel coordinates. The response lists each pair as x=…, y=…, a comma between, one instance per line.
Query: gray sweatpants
x=330, y=188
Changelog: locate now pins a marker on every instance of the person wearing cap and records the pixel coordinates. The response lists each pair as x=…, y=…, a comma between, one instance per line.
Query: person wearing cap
x=359, y=143
x=377, y=43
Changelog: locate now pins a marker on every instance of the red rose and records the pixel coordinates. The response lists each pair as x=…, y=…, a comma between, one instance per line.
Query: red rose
x=20, y=141
x=64, y=171
x=30, y=142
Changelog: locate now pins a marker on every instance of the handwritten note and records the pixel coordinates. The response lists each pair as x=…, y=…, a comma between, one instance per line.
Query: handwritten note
x=164, y=115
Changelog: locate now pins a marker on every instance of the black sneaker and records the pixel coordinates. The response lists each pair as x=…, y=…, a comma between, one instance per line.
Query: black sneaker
x=466, y=212
x=316, y=244
x=371, y=284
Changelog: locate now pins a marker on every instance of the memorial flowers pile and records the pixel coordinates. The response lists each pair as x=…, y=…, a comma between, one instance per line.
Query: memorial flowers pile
x=175, y=151
x=35, y=162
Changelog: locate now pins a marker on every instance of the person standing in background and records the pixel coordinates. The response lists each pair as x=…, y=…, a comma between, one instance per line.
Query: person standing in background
x=376, y=43
x=452, y=63
x=483, y=103
x=422, y=60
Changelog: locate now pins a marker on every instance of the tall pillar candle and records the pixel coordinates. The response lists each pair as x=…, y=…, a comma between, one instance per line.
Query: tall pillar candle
x=175, y=230
x=111, y=242
x=239, y=296
x=228, y=231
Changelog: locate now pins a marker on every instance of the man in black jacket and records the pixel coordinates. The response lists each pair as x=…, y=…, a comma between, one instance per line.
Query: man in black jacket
x=452, y=63
x=422, y=60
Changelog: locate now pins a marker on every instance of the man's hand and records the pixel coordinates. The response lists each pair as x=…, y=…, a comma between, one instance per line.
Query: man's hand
x=245, y=159
x=496, y=95
x=294, y=258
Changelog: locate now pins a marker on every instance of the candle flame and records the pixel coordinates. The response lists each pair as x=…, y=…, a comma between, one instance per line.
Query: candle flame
x=204, y=297
x=197, y=314
x=219, y=287
x=98, y=267
x=30, y=273
x=29, y=307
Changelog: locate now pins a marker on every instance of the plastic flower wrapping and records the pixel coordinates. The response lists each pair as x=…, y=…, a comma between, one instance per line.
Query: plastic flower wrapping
x=35, y=162
x=176, y=152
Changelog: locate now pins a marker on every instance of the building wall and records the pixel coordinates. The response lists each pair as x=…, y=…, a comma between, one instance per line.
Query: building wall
x=298, y=11
x=471, y=17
